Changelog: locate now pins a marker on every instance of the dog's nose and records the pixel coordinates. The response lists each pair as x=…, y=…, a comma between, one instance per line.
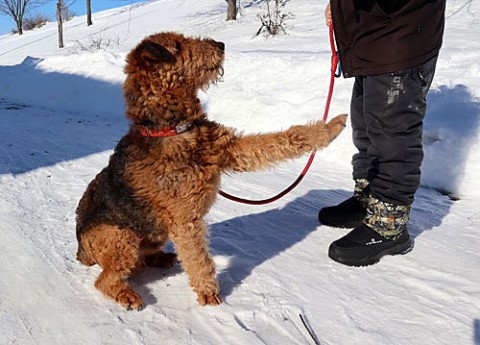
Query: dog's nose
x=221, y=45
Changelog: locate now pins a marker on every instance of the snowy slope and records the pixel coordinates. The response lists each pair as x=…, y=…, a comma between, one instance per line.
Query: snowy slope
x=61, y=113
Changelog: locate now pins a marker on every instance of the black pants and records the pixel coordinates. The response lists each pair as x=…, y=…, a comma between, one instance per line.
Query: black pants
x=387, y=114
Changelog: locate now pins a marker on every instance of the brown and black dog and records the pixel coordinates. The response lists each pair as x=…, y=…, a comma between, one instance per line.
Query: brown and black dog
x=164, y=174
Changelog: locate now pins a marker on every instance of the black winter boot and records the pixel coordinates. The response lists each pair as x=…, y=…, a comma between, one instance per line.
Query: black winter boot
x=363, y=246
x=350, y=212
x=383, y=232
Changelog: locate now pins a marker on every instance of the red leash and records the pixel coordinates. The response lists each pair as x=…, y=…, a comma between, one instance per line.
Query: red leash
x=312, y=155
x=333, y=73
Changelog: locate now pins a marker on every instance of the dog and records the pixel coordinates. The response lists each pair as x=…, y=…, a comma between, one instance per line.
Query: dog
x=164, y=174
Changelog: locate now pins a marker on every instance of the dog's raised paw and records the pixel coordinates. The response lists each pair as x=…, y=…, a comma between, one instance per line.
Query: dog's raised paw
x=336, y=126
x=130, y=300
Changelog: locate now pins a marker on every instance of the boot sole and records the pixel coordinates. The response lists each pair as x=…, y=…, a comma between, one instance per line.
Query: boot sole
x=399, y=249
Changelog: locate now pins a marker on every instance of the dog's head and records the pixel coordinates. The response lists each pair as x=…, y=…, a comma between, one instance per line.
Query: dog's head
x=164, y=73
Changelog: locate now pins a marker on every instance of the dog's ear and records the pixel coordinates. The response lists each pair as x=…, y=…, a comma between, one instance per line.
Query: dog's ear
x=153, y=53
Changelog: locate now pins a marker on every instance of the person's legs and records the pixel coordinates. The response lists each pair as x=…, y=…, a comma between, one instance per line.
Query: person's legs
x=360, y=160
x=394, y=108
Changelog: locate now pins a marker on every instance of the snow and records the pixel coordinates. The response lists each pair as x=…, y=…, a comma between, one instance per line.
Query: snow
x=61, y=114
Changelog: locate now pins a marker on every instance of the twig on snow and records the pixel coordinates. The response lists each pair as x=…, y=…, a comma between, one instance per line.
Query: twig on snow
x=309, y=330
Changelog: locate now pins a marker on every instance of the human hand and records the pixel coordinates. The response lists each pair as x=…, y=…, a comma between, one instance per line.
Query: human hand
x=328, y=15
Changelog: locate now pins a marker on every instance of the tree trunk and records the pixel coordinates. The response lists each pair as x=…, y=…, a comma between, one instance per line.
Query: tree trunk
x=232, y=9
x=89, y=13
x=19, y=28
x=60, y=24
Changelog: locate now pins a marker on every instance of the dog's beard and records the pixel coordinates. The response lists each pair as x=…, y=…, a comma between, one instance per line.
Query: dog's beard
x=212, y=76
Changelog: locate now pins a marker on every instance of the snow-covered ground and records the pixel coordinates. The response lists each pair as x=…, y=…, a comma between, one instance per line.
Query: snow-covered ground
x=61, y=114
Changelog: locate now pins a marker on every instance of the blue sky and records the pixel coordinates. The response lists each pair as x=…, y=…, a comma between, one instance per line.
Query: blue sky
x=78, y=7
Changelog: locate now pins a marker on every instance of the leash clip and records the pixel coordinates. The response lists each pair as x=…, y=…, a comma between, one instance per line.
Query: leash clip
x=338, y=72
x=336, y=67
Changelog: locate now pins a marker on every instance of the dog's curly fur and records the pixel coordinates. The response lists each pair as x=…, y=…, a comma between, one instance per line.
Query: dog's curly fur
x=156, y=189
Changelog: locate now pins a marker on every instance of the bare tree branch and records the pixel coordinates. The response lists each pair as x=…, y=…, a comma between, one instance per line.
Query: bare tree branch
x=16, y=9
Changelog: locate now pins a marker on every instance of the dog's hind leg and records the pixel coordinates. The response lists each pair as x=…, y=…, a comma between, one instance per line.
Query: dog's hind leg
x=156, y=257
x=161, y=259
x=116, y=251
x=192, y=249
x=152, y=255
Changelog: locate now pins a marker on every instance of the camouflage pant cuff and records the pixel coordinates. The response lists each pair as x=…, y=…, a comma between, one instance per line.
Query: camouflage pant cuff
x=387, y=219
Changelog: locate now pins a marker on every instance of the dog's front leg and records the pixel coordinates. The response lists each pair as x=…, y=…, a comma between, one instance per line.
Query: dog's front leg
x=192, y=250
x=260, y=151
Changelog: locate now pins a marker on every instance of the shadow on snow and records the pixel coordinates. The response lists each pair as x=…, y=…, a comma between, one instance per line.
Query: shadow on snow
x=476, y=331
x=253, y=239
x=47, y=118
x=450, y=128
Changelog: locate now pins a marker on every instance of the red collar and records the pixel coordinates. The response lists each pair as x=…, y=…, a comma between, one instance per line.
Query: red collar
x=166, y=131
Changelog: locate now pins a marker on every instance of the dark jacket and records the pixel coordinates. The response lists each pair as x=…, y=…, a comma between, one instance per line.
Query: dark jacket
x=382, y=36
